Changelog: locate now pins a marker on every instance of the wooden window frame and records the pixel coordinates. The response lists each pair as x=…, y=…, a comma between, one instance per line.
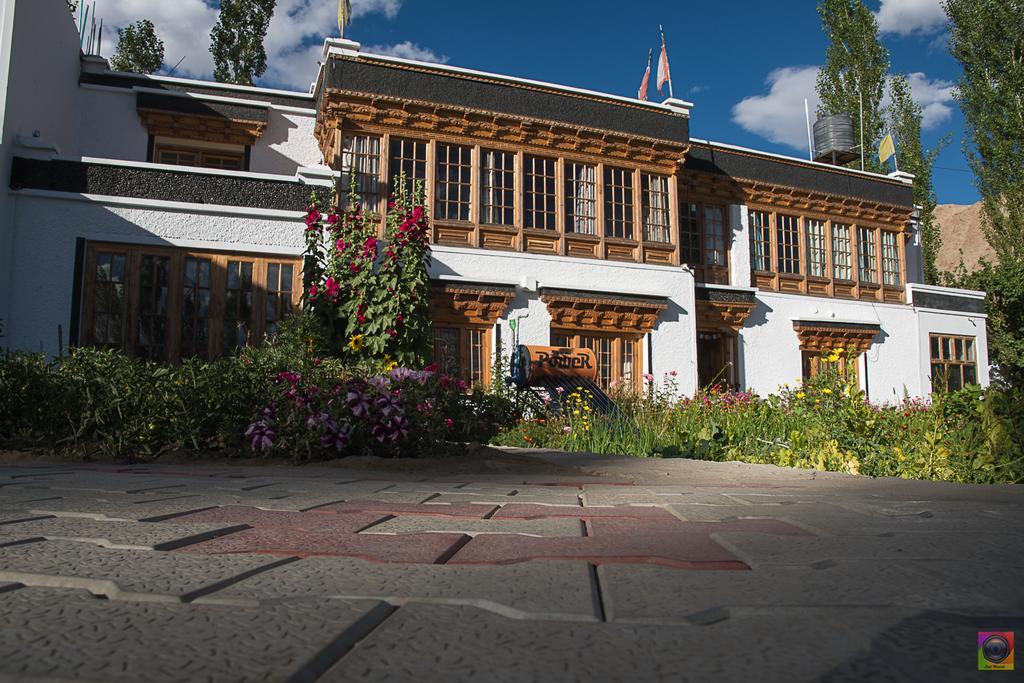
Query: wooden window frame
x=690, y=234
x=467, y=334
x=493, y=195
x=367, y=170
x=788, y=257
x=540, y=207
x=847, y=262
x=817, y=248
x=573, y=200
x=201, y=155
x=619, y=344
x=619, y=203
x=134, y=253
x=443, y=202
x=947, y=345
x=891, y=263
x=408, y=149
x=867, y=259
x=762, y=255
x=656, y=207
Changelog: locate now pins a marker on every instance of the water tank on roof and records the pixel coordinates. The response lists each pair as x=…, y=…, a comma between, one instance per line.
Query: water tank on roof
x=834, y=140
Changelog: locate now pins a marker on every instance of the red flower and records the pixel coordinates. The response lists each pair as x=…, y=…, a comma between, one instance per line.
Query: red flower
x=332, y=219
x=400, y=318
x=313, y=291
x=354, y=267
x=361, y=318
x=431, y=368
x=332, y=287
x=341, y=244
x=392, y=333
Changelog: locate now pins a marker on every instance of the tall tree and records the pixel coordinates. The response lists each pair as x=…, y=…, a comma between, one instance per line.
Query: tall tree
x=138, y=49
x=905, y=121
x=854, y=76
x=237, y=40
x=988, y=41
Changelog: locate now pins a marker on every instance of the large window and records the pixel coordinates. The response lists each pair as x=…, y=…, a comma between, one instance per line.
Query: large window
x=360, y=168
x=164, y=304
x=817, y=251
x=539, y=202
x=689, y=234
x=714, y=236
x=842, y=263
x=618, y=203
x=890, y=259
x=408, y=158
x=761, y=239
x=497, y=183
x=867, y=259
x=655, y=208
x=954, y=362
x=454, y=182
x=618, y=357
x=463, y=352
x=580, y=198
x=788, y=243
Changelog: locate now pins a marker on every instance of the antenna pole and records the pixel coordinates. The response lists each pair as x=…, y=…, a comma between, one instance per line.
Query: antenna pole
x=810, y=142
x=861, y=93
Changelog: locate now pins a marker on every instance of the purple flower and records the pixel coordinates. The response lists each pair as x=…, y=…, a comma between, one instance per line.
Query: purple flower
x=379, y=383
x=290, y=377
x=388, y=405
x=358, y=403
x=261, y=436
x=335, y=436
x=567, y=429
x=402, y=374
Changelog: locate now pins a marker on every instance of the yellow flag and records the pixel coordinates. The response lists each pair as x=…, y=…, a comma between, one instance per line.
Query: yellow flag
x=344, y=15
x=887, y=149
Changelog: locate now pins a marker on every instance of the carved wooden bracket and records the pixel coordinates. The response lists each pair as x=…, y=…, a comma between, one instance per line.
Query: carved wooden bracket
x=468, y=304
x=831, y=336
x=601, y=313
x=205, y=128
x=724, y=316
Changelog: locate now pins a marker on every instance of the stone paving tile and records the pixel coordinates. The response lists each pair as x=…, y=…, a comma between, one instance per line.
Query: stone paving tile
x=475, y=527
x=533, y=511
x=758, y=550
x=127, y=574
x=415, y=548
x=346, y=523
x=539, y=495
x=119, y=506
x=137, y=535
x=818, y=514
x=651, y=594
x=1001, y=583
x=56, y=634
x=431, y=508
x=435, y=643
x=546, y=590
x=686, y=545
x=629, y=497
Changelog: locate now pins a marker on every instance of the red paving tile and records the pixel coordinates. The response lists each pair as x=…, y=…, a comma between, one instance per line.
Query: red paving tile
x=686, y=545
x=534, y=511
x=413, y=548
x=469, y=511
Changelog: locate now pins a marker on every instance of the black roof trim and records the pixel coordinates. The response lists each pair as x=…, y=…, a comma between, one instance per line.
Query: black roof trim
x=618, y=296
x=702, y=293
x=948, y=301
x=505, y=97
x=837, y=325
x=711, y=159
x=129, y=81
x=158, y=184
x=196, y=107
x=474, y=285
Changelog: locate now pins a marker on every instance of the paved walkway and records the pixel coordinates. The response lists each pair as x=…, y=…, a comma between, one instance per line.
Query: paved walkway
x=603, y=569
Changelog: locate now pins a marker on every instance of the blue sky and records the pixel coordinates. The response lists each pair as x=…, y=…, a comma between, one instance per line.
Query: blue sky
x=746, y=69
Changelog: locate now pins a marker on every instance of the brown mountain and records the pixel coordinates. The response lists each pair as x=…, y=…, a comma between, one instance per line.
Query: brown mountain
x=960, y=226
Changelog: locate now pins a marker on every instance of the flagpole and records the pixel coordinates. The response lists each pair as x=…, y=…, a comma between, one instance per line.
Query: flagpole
x=662, y=31
x=895, y=156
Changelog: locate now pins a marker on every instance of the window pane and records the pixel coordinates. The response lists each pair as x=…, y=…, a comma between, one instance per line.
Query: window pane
x=539, y=210
x=788, y=240
x=891, y=259
x=151, y=315
x=761, y=239
x=714, y=236
x=580, y=198
x=360, y=164
x=446, y=350
x=867, y=258
x=970, y=374
x=816, y=255
x=618, y=203
x=108, y=299
x=842, y=267
x=238, y=305
x=195, y=322
x=497, y=182
x=454, y=182
x=689, y=234
x=655, y=208
x=408, y=158
x=936, y=355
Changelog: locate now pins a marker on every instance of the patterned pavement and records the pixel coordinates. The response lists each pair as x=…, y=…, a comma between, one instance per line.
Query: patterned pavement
x=606, y=569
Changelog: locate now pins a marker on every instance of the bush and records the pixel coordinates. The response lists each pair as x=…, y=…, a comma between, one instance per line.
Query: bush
x=825, y=424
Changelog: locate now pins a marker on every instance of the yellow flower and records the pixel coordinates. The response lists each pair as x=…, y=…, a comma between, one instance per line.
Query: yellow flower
x=576, y=413
x=800, y=394
x=826, y=391
x=355, y=342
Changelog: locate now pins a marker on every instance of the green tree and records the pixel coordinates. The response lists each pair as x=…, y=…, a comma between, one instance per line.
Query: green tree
x=138, y=49
x=73, y=5
x=856, y=65
x=237, y=40
x=905, y=118
x=988, y=41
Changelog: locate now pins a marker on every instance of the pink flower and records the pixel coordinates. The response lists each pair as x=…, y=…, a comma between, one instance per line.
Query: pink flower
x=341, y=244
x=648, y=378
x=313, y=291
x=332, y=219
x=449, y=423
x=673, y=373
x=332, y=287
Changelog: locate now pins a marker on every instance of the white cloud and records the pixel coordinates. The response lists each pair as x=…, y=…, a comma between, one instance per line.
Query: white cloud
x=779, y=115
x=906, y=17
x=294, y=39
x=407, y=50
x=934, y=96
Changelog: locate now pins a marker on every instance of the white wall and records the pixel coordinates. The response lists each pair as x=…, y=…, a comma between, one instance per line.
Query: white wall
x=109, y=126
x=287, y=143
x=673, y=338
x=44, y=248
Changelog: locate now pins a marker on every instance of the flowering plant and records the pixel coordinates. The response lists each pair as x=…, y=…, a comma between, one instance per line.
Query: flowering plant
x=369, y=285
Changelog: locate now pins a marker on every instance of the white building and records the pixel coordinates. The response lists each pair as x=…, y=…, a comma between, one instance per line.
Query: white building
x=164, y=216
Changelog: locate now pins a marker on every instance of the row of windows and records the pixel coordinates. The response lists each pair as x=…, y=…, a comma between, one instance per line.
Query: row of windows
x=828, y=249
x=166, y=304
x=495, y=195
